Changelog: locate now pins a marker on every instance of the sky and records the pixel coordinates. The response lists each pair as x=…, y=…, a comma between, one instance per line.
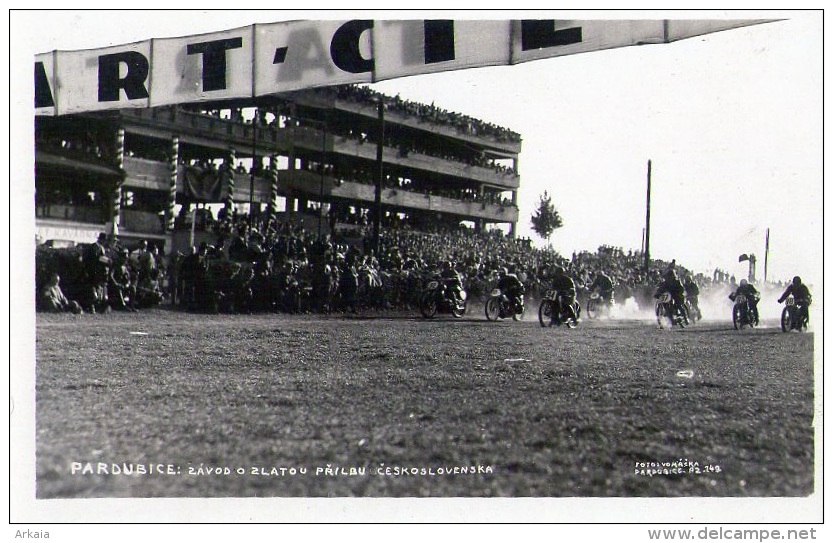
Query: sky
x=732, y=123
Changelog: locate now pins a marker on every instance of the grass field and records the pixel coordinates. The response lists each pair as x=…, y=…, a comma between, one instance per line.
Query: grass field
x=400, y=406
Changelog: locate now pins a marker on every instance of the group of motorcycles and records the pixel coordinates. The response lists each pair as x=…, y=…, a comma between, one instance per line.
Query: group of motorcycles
x=438, y=297
x=793, y=316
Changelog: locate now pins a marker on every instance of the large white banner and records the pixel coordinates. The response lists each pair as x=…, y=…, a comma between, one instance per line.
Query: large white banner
x=264, y=59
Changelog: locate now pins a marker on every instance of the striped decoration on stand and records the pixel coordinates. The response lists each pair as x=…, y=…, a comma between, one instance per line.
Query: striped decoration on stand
x=273, y=188
x=115, y=212
x=228, y=172
x=173, y=165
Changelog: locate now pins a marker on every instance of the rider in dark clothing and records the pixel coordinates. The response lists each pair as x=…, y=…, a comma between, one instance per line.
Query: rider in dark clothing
x=752, y=297
x=692, y=294
x=802, y=296
x=605, y=285
x=566, y=288
x=510, y=285
x=453, y=280
x=673, y=286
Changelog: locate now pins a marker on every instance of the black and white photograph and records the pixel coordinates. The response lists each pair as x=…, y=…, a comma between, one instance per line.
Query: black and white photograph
x=401, y=266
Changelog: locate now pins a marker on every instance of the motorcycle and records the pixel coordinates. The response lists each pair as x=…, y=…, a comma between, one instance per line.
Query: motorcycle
x=693, y=309
x=668, y=313
x=499, y=306
x=438, y=298
x=553, y=311
x=794, y=316
x=742, y=314
x=597, y=305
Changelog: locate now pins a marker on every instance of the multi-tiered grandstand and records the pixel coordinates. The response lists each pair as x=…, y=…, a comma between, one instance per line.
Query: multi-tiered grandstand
x=333, y=159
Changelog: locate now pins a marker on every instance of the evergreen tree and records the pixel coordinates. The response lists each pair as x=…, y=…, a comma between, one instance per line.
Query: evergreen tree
x=546, y=218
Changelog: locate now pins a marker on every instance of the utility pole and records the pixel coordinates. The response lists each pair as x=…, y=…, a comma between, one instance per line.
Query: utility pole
x=766, y=253
x=648, y=222
x=254, y=162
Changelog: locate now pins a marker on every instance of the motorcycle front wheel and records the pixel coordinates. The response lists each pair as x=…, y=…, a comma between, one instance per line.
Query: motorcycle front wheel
x=786, y=320
x=662, y=316
x=592, y=308
x=545, y=314
x=428, y=306
x=492, y=308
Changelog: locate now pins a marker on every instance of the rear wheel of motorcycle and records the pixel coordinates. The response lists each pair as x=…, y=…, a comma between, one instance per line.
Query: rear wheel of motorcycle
x=786, y=320
x=428, y=306
x=683, y=319
x=803, y=322
x=492, y=308
x=736, y=318
x=545, y=314
x=518, y=314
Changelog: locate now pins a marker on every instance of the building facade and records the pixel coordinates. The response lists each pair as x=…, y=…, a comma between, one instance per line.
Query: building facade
x=333, y=159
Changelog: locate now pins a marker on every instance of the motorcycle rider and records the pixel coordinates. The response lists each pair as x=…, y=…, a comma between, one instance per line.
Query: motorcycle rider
x=802, y=297
x=752, y=297
x=453, y=281
x=673, y=286
x=510, y=285
x=604, y=283
x=692, y=294
x=563, y=284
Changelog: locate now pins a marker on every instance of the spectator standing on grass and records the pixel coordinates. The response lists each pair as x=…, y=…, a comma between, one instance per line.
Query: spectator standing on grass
x=348, y=283
x=97, y=271
x=121, y=288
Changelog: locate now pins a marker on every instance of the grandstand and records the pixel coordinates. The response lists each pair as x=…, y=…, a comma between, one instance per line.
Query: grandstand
x=309, y=157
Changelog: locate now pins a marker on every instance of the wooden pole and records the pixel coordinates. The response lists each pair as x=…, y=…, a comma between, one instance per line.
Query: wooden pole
x=766, y=254
x=254, y=162
x=648, y=222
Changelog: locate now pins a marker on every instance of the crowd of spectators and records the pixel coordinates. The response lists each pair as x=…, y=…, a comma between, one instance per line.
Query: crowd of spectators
x=255, y=266
x=426, y=112
x=277, y=117
x=366, y=175
x=99, y=277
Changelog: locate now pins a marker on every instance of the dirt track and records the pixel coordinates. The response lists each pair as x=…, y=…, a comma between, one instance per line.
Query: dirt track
x=396, y=406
